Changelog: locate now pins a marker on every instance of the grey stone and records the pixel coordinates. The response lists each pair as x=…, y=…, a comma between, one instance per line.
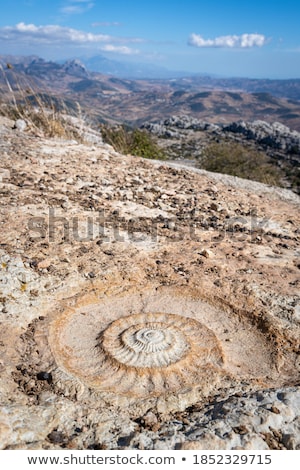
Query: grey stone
x=20, y=125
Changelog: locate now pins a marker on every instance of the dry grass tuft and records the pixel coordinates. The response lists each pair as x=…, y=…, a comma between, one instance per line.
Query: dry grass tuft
x=42, y=112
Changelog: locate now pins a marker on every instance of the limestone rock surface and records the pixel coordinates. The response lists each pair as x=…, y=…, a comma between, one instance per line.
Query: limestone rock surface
x=144, y=305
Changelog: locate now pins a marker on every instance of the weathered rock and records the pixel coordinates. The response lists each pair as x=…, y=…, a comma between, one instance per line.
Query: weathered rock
x=76, y=68
x=185, y=137
x=90, y=238
x=20, y=125
x=274, y=135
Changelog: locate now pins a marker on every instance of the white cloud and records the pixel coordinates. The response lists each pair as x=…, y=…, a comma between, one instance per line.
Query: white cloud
x=105, y=23
x=49, y=33
x=63, y=36
x=243, y=41
x=120, y=49
x=72, y=10
x=77, y=6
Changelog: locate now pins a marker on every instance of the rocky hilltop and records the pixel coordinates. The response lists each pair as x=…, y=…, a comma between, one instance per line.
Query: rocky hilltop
x=275, y=138
x=274, y=135
x=185, y=137
x=144, y=305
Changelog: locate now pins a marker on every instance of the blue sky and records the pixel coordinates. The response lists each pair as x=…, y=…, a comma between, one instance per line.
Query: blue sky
x=257, y=38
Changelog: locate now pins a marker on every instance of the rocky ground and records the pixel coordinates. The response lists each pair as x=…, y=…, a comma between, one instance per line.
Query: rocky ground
x=185, y=137
x=277, y=139
x=144, y=305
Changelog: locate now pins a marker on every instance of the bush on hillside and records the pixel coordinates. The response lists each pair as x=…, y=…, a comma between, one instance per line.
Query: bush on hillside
x=237, y=160
x=135, y=142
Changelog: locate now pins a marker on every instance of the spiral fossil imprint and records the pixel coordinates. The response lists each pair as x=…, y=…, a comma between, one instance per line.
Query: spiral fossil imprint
x=140, y=354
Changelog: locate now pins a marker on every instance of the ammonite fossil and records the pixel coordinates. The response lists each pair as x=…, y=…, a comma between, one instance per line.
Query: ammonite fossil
x=146, y=354
x=156, y=343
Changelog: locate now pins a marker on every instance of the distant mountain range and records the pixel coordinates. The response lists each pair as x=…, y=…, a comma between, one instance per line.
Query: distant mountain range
x=131, y=70
x=109, y=97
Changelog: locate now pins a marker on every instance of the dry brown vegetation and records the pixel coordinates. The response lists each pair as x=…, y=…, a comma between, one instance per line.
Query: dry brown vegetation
x=237, y=160
x=40, y=111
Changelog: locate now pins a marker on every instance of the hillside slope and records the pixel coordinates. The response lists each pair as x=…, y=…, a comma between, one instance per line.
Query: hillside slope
x=197, y=273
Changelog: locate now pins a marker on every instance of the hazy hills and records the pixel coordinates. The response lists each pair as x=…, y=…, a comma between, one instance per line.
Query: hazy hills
x=132, y=70
x=114, y=99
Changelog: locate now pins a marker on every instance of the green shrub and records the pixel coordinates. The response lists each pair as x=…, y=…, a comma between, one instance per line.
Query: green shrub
x=238, y=160
x=135, y=142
